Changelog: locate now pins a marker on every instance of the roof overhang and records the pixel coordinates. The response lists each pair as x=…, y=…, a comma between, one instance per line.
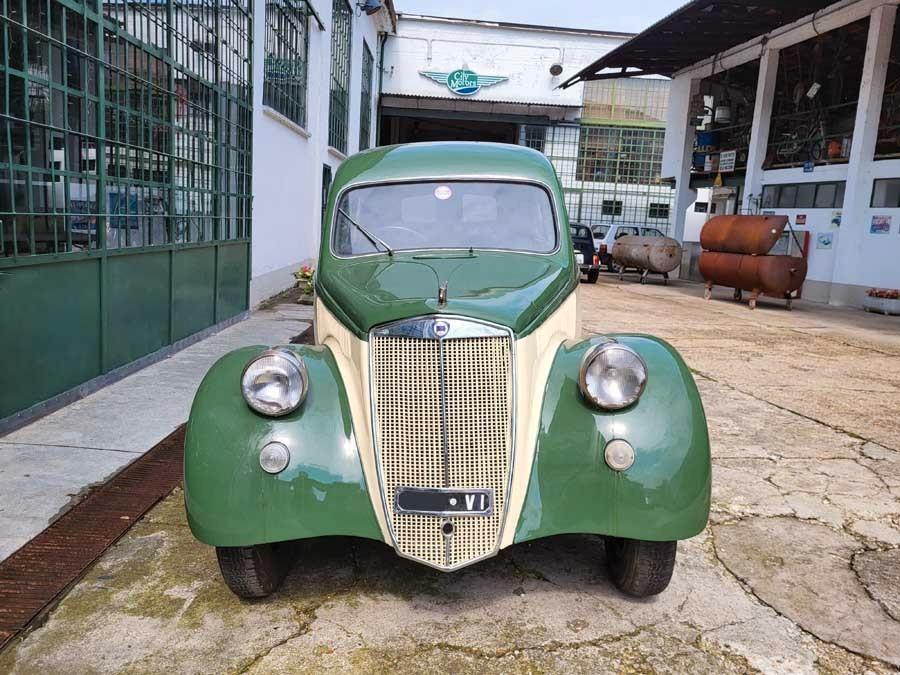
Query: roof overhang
x=695, y=32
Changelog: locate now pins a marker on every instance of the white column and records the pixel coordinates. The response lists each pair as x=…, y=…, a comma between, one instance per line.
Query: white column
x=759, y=139
x=847, y=262
x=679, y=147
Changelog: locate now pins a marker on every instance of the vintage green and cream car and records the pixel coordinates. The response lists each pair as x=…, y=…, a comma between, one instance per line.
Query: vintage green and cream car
x=450, y=407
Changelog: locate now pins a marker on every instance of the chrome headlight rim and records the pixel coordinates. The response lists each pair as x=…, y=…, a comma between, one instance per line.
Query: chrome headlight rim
x=295, y=362
x=590, y=356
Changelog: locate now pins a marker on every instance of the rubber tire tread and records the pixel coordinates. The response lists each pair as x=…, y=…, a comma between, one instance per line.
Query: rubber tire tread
x=253, y=571
x=641, y=568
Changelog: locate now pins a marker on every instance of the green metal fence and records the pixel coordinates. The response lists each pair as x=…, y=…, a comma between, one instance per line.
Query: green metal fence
x=125, y=160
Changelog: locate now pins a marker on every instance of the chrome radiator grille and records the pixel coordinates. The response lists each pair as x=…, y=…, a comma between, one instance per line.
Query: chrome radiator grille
x=442, y=411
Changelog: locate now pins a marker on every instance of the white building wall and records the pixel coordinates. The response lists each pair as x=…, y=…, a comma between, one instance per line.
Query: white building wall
x=857, y=259
x=288, y=160
x=524, y=55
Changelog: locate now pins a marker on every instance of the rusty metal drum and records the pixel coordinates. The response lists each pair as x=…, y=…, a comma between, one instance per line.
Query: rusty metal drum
x=750, y=235
x=659, y=255
x=773, y=275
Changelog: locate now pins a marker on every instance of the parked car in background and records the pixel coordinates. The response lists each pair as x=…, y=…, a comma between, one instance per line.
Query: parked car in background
x=450, y=406
x=585, y=254
x=606, y=234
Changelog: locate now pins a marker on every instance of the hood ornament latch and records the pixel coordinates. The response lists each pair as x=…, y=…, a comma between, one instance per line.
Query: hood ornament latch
x=442, y=294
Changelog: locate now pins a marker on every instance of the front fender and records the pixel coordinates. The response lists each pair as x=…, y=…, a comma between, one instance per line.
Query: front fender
x=231, y=501
x=665, y=494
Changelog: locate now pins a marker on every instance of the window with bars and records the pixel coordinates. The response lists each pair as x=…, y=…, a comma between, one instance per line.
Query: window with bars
x=609, y=173
x=657, y=211
x=534, y=137
x=639, y=101
x=339, y=103
x=611, y=207
x=365, y=103
x=620, y=155
x=163, y=156
x=286, y=57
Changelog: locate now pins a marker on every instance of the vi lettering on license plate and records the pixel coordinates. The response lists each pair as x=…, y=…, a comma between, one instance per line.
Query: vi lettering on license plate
x=445, y=501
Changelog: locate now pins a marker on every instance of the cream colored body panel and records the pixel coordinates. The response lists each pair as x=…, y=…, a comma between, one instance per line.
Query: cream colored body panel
x=534, y=356
x=352, y=357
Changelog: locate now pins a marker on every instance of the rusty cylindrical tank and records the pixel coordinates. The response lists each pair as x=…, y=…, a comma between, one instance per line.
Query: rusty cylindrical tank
x=774, y=275
x=655, y=254
x=751, y=235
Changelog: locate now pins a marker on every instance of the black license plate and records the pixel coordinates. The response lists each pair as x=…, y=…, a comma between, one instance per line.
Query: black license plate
x=445, y=501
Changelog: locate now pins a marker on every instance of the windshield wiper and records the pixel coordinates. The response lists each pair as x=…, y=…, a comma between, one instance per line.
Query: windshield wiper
x=376, y=242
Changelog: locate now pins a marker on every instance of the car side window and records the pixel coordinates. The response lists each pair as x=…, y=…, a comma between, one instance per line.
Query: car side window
x=579, y=231
x=651, y=232
x=623, y=231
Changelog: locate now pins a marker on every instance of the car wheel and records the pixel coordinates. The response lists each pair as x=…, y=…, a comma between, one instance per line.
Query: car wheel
x=593, y=275
x=640, y=568
x=253, y=571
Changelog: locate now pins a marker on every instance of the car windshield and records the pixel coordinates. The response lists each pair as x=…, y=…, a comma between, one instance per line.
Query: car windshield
x=445, y=215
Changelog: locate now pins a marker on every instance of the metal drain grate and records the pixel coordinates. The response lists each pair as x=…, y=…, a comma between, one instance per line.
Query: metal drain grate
x=36, y=575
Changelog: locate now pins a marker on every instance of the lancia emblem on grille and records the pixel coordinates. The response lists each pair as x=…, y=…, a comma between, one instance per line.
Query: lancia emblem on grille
x=440, y=328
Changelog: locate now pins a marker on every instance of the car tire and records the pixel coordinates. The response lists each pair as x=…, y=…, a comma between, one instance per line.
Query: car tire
x=253, y=571
x=640, y=568
x=593, y=275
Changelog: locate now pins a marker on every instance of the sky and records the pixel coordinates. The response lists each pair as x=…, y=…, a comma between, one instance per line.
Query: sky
x=593, y=14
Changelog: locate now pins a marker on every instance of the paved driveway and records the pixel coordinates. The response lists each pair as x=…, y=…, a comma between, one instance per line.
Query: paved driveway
x=799, y=570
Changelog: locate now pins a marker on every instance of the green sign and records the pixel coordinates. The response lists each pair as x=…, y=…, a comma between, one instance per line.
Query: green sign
x=463, y=82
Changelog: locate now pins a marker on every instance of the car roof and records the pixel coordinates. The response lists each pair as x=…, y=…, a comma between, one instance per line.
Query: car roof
x=445, y=161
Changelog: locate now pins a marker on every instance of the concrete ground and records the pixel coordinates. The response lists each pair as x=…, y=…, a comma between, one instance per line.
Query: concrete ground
x=49, y=463
x=799, y=570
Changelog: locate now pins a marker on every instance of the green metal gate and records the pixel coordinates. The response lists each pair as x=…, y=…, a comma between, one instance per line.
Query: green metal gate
x=125, y=160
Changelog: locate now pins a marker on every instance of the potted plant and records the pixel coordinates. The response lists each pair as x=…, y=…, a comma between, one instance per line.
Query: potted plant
x=305, y=283
x=883, y=300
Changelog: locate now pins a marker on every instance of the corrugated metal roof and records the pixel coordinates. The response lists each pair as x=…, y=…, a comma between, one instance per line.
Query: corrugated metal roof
x=696, y=31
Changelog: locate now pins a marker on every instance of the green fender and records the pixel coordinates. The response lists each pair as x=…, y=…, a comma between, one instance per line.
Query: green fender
x=665, y=494
x=231, y=501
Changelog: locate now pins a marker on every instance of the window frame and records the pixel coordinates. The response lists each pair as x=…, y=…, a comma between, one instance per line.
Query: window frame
x=291, y=101
x=366, y=88
x=340, y=77
x=777, y=189
x=655, y=206
x=617, y=207
x=872, y=204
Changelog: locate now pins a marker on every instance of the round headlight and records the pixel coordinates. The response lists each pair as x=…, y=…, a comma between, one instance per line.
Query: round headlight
x=275, y=383
x=612, y=376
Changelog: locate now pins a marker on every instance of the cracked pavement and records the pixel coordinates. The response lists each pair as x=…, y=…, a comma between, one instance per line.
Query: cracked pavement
x=798, y=571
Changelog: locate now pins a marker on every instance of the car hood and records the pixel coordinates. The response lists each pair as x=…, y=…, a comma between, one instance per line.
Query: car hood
x=516, y=290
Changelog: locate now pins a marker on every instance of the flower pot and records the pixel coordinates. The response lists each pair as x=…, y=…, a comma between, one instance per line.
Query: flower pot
x=882, y=305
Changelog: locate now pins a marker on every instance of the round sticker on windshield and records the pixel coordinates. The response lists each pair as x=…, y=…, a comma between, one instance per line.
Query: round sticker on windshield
x=443, y=192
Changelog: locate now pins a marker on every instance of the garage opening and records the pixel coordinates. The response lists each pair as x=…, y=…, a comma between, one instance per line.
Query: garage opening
x=397, y=129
